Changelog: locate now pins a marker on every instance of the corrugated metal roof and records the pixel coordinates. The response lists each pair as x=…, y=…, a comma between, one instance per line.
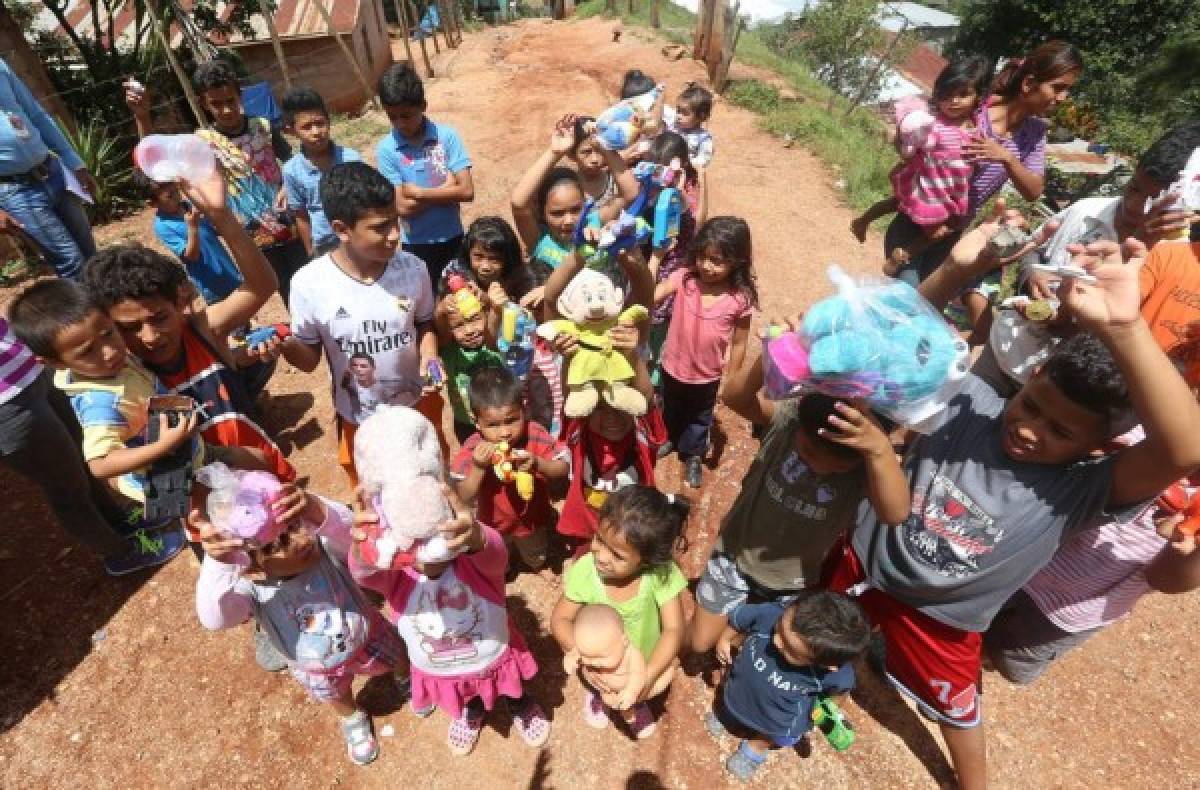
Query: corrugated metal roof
x=892, y=17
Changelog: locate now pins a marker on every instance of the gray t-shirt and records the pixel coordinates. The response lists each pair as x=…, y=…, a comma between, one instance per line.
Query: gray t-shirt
x=785, y=519
x=982, y=524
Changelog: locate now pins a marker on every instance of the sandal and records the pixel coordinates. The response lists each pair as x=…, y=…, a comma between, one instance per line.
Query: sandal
x=360, y=738
x=744, y=762
x=594, y=712
x=532, y=725
x=464, y=733
x=642, y=724
x=404, y=686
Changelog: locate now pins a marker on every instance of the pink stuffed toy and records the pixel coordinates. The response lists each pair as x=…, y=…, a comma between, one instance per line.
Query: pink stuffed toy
x=914, y=125
x=239, y=503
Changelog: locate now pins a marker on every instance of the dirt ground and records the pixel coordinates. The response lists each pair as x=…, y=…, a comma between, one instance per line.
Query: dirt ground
x=113, y=682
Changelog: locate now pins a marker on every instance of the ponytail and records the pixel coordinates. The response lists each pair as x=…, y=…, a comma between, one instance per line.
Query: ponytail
x=1049, y=61
x=650, y=521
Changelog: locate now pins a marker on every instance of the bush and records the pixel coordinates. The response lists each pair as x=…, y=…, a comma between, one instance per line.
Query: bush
x=109, y=161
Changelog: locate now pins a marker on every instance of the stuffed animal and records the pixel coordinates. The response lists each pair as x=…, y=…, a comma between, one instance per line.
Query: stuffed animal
x=239, y=503
x=914, y=125
x=399, y=462
x=591, y=306
x=619, y=127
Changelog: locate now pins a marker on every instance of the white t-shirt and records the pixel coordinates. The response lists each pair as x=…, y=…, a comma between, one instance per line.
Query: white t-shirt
x=450, y=629
x=375, y=326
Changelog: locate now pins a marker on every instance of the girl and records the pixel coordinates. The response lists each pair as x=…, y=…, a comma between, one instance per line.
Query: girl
x=464, y=650
x=301, y=593
x=931, y=186
x=715, y=301
x=630, y=568
x=490, y=262
x=596, y=179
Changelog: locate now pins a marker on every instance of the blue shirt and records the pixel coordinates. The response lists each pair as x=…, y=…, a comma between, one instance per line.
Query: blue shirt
x=27, y=132
x=766, y=693
x=215, y=274
x=439, y=154
x=302, y=182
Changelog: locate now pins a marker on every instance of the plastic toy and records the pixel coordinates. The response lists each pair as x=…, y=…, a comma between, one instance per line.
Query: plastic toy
x=399, y=462
x=619, y=127
x=504, y=460
x=434, y=375
x=239, y=503
x=610, y=663
x=169, y=157
x=914, y=125
x=467, y=303
x=591, y=306
x=629, y=228
x=877, y=341
x=265, y=333
x=515, y=342
x=830, y=720
x=168, y=485
x=1176, y=500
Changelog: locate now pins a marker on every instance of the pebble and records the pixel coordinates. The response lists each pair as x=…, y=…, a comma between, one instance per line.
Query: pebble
x=387, y=731
x=76, y=737
x=99, y=636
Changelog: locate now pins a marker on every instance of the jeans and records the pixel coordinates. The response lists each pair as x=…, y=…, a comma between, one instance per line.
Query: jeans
x=41, y=439
x=53, y=217
x=688, y=411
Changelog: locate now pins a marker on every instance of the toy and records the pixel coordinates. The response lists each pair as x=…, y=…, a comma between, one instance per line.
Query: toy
x=877, y=341
x=169, y=157
x=399, y=462
x=467, y=302
x=239, y=503
x=515, y=341
x=1175, y=500
x=434, y=375
x=830, y=720
x=504, y=460
x=1186, y=188
x=597, y=242
x=610, y=663
x=591, y=306
x=169, y=479
x=1008, y=241
x=914, y=125
x=265, y=333
x=619, y=127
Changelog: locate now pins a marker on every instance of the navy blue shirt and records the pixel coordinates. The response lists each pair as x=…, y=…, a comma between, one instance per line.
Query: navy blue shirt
x=766, y=693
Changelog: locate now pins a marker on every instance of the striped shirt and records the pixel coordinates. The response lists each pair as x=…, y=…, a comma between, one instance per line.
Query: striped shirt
x=1028, y=142
x=18, y=366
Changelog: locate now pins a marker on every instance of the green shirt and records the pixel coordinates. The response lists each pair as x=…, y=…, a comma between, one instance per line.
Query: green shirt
x=461, y=364
x=643, y=623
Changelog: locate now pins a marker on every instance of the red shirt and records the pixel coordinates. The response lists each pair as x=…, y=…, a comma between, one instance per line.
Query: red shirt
x=497, y=503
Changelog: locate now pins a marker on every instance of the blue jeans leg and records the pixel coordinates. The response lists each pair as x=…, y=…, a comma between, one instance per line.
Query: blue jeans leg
x=55, y=219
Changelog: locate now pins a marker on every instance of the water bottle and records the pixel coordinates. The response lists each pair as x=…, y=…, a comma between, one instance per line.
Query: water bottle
x=169, y=157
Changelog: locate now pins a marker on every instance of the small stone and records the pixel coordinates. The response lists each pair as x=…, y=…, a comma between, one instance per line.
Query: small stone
x=387, y=731
x=99, y=636
x=76, y=737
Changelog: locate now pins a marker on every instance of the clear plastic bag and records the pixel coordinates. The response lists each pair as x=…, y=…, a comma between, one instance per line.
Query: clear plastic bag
x=878, y=340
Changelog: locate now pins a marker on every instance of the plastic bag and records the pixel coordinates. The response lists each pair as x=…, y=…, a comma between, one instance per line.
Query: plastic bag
x=878, y=340
x=239, y=503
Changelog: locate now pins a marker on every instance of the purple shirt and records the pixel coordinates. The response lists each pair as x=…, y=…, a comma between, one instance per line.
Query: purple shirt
x=18, y=366
x=1028, y=142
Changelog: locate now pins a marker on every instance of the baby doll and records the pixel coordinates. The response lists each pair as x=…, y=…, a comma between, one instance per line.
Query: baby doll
x=609, y=662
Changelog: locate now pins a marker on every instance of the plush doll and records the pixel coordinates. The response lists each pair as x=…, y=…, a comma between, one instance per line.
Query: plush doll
x=619, y=127
x=610, y=664
x=591, y=306
x=399, y=462
x=239, y=503
x=914, y=125
x=504, y=465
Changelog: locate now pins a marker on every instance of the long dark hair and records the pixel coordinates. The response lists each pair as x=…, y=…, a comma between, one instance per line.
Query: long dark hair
x=556, y=177
x=973, y=71
x=493, y=235
x=1049, y=61
x=668, y=146
x=730, y=237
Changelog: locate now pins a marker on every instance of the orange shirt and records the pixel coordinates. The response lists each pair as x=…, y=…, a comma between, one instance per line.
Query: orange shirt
x=1170, y=285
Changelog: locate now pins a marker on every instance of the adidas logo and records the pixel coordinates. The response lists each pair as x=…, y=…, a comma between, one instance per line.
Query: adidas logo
x=341, y=313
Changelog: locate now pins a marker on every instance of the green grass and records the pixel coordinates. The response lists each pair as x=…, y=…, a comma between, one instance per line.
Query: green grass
x=854, y=147
x=360, y=133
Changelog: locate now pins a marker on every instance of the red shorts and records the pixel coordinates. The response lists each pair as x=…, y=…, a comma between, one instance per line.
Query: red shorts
x=934, y=664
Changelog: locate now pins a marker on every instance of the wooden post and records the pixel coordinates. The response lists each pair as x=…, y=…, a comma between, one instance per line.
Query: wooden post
x=164, y=36
x=269, y=17
x=456, y=20
x=437, y=50
x=631, y=7
x=704, y=24
x=733, y=29
x=368, y=91
x=444, y=23
x=610, y=7
x=655, y=21
x=420, y=40
x=403, y=17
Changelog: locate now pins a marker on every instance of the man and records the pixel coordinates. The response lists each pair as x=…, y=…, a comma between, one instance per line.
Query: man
x=38, y=172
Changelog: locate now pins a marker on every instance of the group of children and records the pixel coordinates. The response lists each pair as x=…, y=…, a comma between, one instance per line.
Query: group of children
x=832, y=535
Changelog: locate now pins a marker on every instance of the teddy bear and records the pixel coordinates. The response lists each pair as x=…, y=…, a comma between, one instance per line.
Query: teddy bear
x=591, y=306
x=914, y=125
x=399, y=462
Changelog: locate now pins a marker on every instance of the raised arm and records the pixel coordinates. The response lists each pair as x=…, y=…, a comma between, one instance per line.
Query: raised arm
x=524, y=195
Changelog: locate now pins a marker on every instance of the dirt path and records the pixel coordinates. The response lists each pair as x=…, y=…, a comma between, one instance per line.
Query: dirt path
x=116, y=682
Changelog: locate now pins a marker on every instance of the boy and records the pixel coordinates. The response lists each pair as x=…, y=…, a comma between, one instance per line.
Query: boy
x=367, y=297
x=497, y=399
x=182, y=230
x=692, y=110
x=251, y=152
x=429, y=167
x=786, y=658
x=463, y=357
x=997, y=485
x=305, y=116
x=818, y=459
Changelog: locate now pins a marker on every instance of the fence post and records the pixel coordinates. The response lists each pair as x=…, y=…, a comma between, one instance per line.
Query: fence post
x=164, y=36
x=368, y=91
x=733, y=29
x=269, y=17
x=655, y=22
x=420, y=40
x=403, y=17
x=444, y=23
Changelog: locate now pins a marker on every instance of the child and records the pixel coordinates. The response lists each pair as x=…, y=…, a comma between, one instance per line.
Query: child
x=931, y=186
x=490, y=258
x=787, y=657
x=692, y=110
x=497, y=400
x=714, y=303
x=305, y=116
x=464, y=648
x=299, y=590
x=630, y=568
x=996, y=486
x=366, y=297
x=466, y=354
x=635, y=82
x=184, y=231
x=591, y=162
x=429, y=167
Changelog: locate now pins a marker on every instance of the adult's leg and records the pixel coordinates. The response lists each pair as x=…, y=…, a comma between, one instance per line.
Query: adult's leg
x=33, y=206
x=73, y=215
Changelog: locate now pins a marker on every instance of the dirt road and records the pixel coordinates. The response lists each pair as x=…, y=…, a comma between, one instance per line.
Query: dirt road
x=114, y=683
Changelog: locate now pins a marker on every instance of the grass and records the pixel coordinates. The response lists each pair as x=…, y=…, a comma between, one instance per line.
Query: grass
x=855, y=147
x=360, y=133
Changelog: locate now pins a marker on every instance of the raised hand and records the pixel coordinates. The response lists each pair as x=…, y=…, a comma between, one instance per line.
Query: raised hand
x=1114, y=300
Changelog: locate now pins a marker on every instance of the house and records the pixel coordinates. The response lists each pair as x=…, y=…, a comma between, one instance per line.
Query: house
x=914, y=75
x=931, y=26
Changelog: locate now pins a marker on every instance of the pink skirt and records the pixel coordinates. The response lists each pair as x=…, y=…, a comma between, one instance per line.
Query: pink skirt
x=503, y=678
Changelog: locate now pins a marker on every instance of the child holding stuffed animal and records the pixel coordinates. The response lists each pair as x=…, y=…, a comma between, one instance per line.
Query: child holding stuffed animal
x=714, y=303
x=506, y=465
x=630, y=568
x=687, y=118
x=931, y=184
x=466, y=354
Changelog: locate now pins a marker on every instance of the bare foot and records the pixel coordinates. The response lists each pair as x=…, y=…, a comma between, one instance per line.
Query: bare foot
x=858, y=226
x=895, y=262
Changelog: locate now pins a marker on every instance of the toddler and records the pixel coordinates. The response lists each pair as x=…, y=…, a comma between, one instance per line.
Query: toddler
x=466, y=354
x=786, y=658
x=497, y=402
x=692, y=110
x=630, y=568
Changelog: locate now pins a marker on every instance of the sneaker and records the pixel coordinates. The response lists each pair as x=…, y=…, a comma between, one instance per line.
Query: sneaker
x=361, y=745
x=404, y=686
x=693, y=471
x=744, y=762
x=464, y=733
x=594, y=712
x=665, y=449
x=146, y=551
x=266, y=655
x=532, y=725
x=642, y=725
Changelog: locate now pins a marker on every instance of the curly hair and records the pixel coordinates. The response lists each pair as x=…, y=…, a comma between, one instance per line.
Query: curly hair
x=729, y=237
x=131, y=271
x=350, y=189
x=217, y=73
x=1085, y=372
x=650, y=521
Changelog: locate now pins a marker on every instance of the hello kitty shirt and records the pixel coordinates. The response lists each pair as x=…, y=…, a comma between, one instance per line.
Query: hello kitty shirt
x=461, y=642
